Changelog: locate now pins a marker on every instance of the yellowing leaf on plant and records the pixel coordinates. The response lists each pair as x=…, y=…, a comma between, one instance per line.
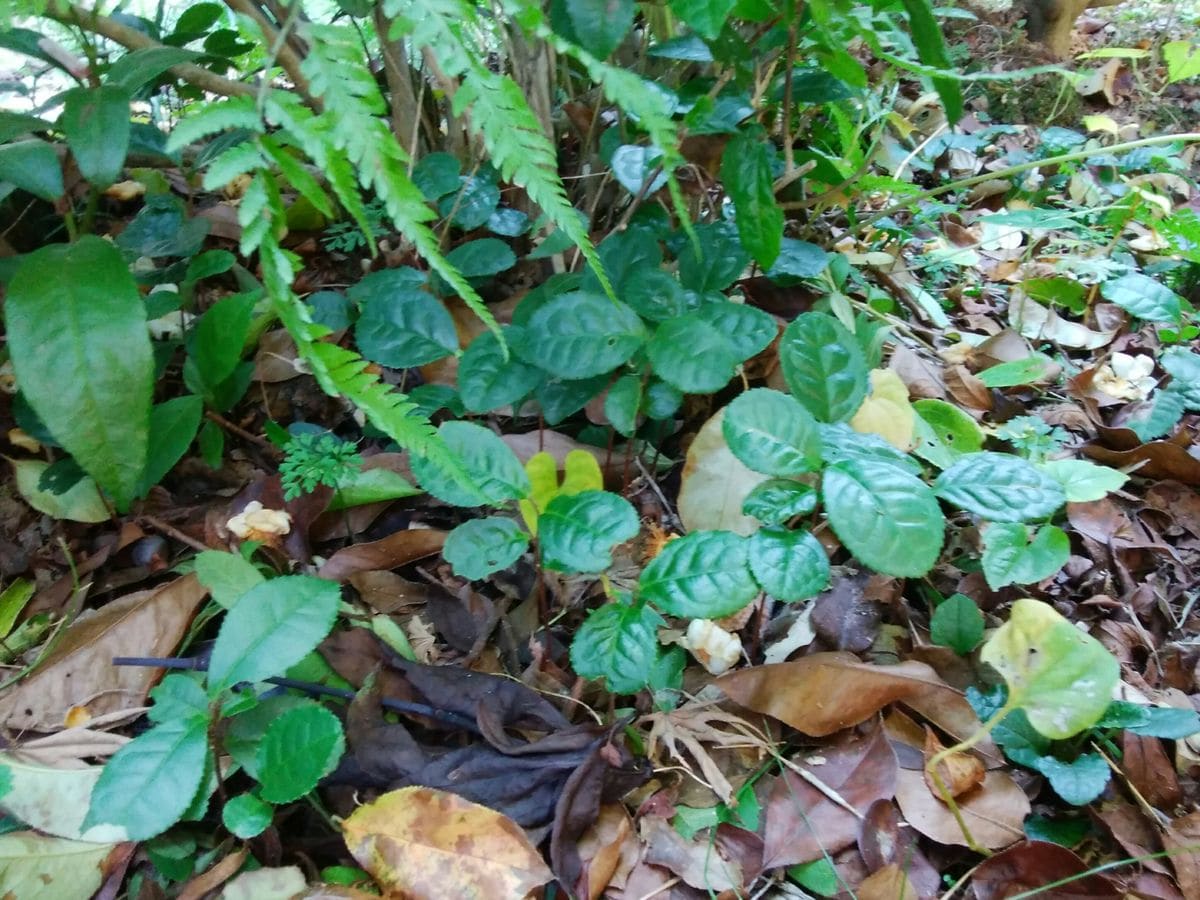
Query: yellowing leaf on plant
x=1062, y=677
x=418, y=842
x=581, y=472
x=886, y=411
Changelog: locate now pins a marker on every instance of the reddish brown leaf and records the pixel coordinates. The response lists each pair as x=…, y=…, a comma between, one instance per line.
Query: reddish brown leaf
x=960, y=772
x=826, y=692
x=1182, y=838
x=886, y=839
x=1145, y=763
x=843, y=618
x=1156, y=459
x=391, y=552
x=804, y=820
x=1035, y=864
x=1132, y=830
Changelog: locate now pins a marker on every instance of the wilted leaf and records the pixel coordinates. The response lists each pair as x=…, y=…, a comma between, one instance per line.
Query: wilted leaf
x=422, y=843
x=715, y=483
x=960, y=772
x=886, y=411
x=32, y=865
x=79, y=670
x=54, y=800
x=392, y=552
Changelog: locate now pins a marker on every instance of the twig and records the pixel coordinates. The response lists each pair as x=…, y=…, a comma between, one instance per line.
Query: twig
x=171, y=531
x=241, y=432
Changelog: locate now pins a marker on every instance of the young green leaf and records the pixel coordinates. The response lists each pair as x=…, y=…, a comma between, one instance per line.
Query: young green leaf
x=299, y=748
x=215, y=346
x=706, y=17
x=1079, y=781
x=1012, y=556
x=149, y=783
x=619, y=643
x=702, y=575
x=748, y=330
x=778, y=500
x=1083, y=481
x=957, y=623
x=578, y=531
x=772, y=433
x=479, y=547
x=1060, y=676
x=746, y=175
x=32, y=166
x=790, y=565
x=823, y=366
x=889, y=519
x=488, y=462
x=944, y=433
x=246, y=816
x=173, y=427
x=77, y=334
x=1000, y=488
x=272, y=627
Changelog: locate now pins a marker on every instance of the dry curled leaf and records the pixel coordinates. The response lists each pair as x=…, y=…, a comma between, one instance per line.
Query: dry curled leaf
x=960, y=772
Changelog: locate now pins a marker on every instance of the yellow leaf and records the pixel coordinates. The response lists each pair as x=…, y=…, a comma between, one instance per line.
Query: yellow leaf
x=582, y=473
x=418, y=842
x=886, y=411
x=543, y=479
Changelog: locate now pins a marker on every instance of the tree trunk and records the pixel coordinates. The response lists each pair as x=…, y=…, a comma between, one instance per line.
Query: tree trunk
x=1051, y=21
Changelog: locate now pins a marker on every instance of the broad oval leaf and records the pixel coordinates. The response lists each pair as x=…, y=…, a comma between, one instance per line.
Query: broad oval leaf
x=944, y=433
x=479, y=547
x=246, y=816
x=749, y=330
x=776, y=501
x=405, y=328
x=32, y=166
x=271, y=628
x=823, y=366
x=841, y=444
x=579, y=335
x=487, y=380
x=299, y=748
x=77, y=334
x=957, y=623
x=79, y=503
x=747, y=178
x=96, y=124
x=1060, y=676
x=790, y=565
x=619, y=643
x=173, y=427
x=889, y=519
x=702, y=575
x=772, y=433
x=690, y=354
x=577, y=532
x=1083, y=481
x=149, y=783
x=1000, y=488
x=1011, y=556
x=487, y=461
x=1143, y=297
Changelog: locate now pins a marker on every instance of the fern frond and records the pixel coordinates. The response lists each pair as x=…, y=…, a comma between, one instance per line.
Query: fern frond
x=298, y=176
x=237, y=160
x=211, y=118
x=335, y=69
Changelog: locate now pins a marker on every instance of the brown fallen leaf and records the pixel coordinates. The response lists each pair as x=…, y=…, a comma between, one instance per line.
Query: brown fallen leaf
x=215, y=876
x=826, y=692
x=422, y=843
x=1030, y=866
x=995, y=811
x=79, y=672
x=1154, y=459
x=1149, y=769
x=889, y=883
x=608, y=850
x=699, y=862
x=395, y=550
x=714, y=483
x=1182, y=838
x=886, y=839
x=817, y=807
x=960, y=772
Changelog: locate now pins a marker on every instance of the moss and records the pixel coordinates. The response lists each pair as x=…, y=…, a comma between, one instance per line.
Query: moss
x=1042, y=100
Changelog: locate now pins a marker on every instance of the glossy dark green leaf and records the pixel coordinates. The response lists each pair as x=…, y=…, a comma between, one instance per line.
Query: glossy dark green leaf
x=33, y=166
x=746, y=175
x=823, y=366
x=633, y=166
x=215, y=344
x=96, y=124
x=889, y=519
x=479, y=547
x=957, y=623
x=487, y=461
x=798, y=259
x=79, y=345
x=300, y=747
x=173, y=427
x=1014, y=555
x=481, y=258
x=579, y=335
x=705, y=17
x=134, y=70
x=772, y=433
x=163, y=228
x=790, y=565
x=662, y=400
x=748, y=330
x=271, y=628
x=931, y=50
x=622, y=403
x=1079, y=781
x=778, y=500
x=840, y=443
x=406, y=328
x=577, y=532
x=473, y=203
x=619, y=643
x=436, y=174
x=719, y=262
x=486, y=380
x=691, y=355
x=702, y=575
x=560, y=397
x=1000, y=488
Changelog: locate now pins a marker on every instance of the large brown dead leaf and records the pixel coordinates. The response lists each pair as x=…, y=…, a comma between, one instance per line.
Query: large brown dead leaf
x=421, y=843
x=826, y=692
x=886, y=840
x=701, y=863
x=995, y=811
x=1155, y=459
x=1182, y=837
x=79, y=672
x=819, y=809
x=391, y=552
x=1031, y=866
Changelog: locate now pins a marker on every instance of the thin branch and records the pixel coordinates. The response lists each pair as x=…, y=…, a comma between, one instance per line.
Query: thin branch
x=275, y=40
